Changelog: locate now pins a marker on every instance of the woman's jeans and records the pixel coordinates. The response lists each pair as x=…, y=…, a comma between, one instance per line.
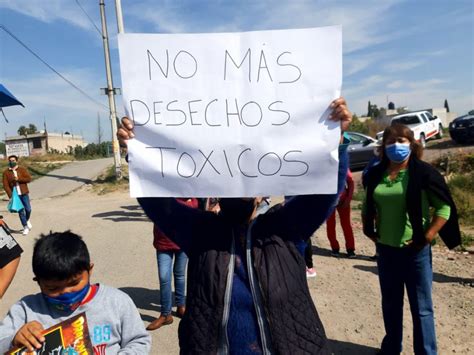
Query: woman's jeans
x=400, y=267
x=165, y=262
x=26, y=212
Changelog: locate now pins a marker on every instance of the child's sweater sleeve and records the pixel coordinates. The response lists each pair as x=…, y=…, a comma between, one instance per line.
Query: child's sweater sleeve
x=14, y=320
x=135, y=339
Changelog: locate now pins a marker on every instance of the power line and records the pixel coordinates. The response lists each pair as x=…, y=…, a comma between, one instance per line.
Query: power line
x=52, y=69
x=90, y=19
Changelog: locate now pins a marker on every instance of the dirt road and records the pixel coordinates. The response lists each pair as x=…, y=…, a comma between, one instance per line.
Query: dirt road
x=346, y=291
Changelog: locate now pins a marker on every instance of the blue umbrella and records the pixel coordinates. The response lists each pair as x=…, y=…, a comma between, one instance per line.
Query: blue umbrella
x=7, y=99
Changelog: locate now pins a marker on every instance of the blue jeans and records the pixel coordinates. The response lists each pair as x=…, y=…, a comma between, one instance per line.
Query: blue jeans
x=165, y=261
x=26, y=212
x=400, y=267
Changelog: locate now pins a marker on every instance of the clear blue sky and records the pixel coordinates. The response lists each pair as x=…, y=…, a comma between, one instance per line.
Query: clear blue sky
x=415, y=53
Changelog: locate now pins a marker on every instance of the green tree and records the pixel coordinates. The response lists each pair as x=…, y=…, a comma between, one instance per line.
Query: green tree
x=369, y=110
x=32, y=129
x=358, y=126
x=22, y=130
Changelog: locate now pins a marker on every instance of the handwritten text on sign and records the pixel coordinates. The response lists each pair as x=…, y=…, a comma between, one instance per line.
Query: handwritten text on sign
x=232, y=114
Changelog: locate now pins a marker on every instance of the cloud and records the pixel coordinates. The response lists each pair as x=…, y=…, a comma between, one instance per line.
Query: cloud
x=395, y=84
x=355, y=63
x=64, y=109
x=400, y=66
x=50, y=11
x=416, y=96
x=363, y=26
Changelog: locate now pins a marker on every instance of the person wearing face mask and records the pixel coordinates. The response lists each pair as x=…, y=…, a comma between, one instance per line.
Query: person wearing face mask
x=17, y=177
x=62, y=269
x=247, y=291
x=400, y=191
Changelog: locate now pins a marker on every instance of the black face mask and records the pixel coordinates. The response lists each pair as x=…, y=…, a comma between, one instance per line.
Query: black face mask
x=237, y=210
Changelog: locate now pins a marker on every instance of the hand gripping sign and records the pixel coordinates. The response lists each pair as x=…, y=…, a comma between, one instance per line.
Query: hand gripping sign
x=232, y=114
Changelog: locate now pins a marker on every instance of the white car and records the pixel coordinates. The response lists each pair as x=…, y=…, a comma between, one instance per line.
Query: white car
x=423, y=124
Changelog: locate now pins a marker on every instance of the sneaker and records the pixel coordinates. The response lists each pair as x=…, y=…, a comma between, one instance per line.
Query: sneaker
x=29, y=225
x=335, y=253
x=351, y=254
x=310, y=272
x=26, y=230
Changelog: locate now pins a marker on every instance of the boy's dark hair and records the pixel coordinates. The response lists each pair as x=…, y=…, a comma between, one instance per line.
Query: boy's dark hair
x=60, y=256
x=13, y=156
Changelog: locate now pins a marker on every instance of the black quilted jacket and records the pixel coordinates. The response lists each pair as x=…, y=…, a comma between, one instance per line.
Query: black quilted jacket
x=294, y=324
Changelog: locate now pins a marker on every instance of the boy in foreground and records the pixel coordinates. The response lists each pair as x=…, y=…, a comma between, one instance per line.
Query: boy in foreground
x=62, y=268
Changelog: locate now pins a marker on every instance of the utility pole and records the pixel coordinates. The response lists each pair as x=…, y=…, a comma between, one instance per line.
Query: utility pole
x=118, y=11
x=110, y=93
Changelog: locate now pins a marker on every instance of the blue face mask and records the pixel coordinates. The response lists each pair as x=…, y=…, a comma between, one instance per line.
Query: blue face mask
x=68, y=302
x=398, y=152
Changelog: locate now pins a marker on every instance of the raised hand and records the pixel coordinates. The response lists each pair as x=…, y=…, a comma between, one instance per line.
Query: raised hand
x=341, y=113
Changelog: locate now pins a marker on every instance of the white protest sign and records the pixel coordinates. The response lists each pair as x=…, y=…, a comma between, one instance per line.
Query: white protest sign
x=232, y=114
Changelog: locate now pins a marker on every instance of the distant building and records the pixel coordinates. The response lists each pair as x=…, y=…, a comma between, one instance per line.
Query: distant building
x=42, y=143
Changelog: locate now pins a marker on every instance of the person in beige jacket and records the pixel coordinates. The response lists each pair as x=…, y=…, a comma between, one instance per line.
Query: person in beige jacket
x=18, y=177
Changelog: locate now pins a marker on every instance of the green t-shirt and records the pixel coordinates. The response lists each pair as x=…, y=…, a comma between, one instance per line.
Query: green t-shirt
x=393, y=224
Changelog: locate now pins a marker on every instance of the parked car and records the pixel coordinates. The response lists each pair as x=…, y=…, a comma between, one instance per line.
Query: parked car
x=461, y=129
x=423, y=124
x=361, y=149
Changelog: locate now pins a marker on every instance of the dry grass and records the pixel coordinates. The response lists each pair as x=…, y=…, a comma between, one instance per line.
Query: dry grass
x=107, y=183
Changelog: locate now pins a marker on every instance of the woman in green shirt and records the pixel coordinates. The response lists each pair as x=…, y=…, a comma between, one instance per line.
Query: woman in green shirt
x=401, y=190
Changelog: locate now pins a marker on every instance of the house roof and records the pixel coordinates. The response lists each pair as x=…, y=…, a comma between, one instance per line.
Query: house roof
x=17, y=138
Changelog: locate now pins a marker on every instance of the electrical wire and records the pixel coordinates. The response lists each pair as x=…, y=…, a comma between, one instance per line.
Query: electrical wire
x=52, y=69
x=90, y=19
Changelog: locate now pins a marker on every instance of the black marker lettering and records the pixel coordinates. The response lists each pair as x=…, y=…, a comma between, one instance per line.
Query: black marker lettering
x=264, y=156
x=161, y=156
x=207, y=161
x=283, y=111
x=135, y=122
x=288, y=65
x=165, y=74
x=175, y=110
x=205, y=115
x=249, y=54
x=156, y=113
x=227, y=162
x=182, y=76
x=191, y=113
x=242, y=114
x=238, y=163
x=232, y=113
x=179, y=161
x=260, y=66
x=295, y=161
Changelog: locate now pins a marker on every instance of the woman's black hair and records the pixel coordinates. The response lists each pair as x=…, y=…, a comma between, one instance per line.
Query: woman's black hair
x=60, y=256
x=400, y=130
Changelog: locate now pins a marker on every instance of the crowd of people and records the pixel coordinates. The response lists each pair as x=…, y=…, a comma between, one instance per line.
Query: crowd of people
x=247, y=289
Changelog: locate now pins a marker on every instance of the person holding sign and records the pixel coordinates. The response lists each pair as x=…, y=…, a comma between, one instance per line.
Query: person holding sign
x=247, y=288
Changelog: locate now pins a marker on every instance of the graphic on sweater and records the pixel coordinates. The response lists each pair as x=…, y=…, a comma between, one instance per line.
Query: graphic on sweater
x=100, y=349
x=70, y=337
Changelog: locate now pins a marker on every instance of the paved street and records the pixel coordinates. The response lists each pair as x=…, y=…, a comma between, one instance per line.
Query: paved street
x=68, y=178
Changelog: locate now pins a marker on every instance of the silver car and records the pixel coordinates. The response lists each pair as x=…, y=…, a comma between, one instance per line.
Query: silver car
x=361, y=149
